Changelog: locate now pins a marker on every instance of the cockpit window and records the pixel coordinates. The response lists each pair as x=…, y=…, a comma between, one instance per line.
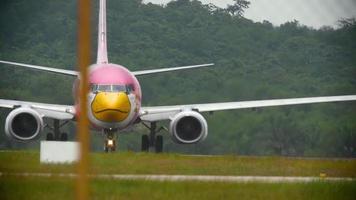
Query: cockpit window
x=130, y=88
x=111, y=88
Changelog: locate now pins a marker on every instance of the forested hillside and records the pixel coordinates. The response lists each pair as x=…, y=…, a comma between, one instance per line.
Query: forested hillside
x=253, y=61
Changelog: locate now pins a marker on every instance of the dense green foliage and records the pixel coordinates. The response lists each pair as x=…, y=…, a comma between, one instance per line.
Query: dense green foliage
x=253, y=61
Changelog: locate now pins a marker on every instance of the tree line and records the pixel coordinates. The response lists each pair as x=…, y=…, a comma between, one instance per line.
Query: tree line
x=254, y=60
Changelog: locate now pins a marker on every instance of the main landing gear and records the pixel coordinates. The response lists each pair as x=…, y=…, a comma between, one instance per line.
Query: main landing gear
x=152, y=141
x=110, y=140
x=57, y=135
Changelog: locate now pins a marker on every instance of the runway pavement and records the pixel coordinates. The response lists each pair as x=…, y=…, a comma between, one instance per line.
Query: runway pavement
x=199, y=178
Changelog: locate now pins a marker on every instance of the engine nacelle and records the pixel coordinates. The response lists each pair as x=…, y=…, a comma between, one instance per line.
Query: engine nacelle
x=23, y=124
x=188, y=127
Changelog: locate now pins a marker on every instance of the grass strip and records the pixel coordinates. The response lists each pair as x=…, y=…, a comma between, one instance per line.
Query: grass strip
x=63, y=188
x=145, y=163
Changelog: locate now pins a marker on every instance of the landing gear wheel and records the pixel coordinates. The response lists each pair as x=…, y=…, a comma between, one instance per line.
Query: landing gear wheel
x=113, y=147
x=49, y=137
x=151, y=141
x=159, y=144
x=145, y=143
x=110, y=145
x=110, y=140
x=64, y=137
x=109, y=149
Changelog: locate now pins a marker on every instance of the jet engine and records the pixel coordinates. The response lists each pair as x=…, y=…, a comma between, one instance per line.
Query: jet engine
x=23, y=124
x=188, y=127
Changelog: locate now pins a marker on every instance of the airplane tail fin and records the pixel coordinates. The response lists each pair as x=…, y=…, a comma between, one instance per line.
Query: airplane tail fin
x=102, y=56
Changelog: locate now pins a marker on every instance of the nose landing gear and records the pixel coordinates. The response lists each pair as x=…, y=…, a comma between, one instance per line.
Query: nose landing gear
x=110, y=140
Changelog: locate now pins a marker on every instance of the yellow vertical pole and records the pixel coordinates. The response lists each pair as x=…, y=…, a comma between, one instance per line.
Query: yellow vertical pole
x=82, y=186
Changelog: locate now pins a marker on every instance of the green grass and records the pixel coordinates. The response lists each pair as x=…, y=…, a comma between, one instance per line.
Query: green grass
x=142, y=163
x=64, y=188
x=15, y=187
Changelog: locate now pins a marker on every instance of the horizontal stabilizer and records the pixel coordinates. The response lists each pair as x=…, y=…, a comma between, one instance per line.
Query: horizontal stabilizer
x=42, y=68
x=155, y=71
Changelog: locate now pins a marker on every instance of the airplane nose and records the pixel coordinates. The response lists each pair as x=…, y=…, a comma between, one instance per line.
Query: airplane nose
x=111, y=106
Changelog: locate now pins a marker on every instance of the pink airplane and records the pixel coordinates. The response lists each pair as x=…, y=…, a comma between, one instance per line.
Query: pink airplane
x=114, y=104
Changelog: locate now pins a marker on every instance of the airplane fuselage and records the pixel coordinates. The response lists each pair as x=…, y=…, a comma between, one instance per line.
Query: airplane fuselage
x=114, y=98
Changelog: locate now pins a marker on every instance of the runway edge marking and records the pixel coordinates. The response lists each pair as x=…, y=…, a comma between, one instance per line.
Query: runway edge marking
x=181, y=178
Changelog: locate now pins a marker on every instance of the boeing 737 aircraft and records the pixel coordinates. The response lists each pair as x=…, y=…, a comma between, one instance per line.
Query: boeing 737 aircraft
x=114, y=103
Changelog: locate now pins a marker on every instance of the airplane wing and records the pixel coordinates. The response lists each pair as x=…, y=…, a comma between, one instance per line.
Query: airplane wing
x=42, y=68
x=75, y=73
x=53, y=111
x=158, y=113
x=155, y=71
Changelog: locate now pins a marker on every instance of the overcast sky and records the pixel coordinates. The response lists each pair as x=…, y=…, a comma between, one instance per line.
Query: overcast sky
x=315, y=13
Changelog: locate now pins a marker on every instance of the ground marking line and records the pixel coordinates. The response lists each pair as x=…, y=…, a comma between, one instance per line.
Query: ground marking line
x=201, y=178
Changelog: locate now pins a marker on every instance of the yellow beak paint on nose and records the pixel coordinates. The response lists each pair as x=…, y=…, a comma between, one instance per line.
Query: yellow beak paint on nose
x=111, y=106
